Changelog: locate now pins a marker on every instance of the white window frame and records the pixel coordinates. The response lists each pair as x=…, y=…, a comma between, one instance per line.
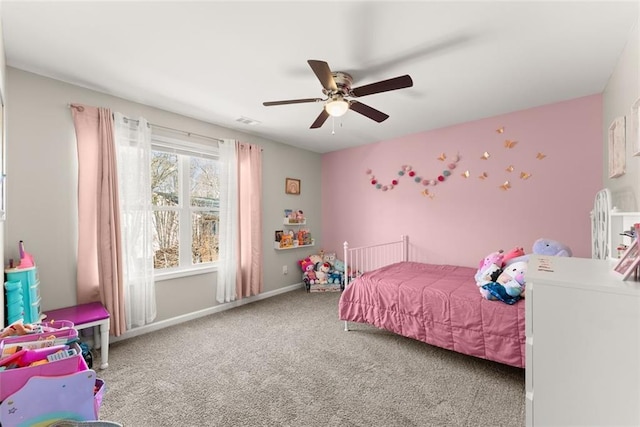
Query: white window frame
x=189, y=148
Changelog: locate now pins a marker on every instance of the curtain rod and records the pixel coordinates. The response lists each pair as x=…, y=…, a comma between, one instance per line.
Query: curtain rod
x=81, y=108
x=186, y=132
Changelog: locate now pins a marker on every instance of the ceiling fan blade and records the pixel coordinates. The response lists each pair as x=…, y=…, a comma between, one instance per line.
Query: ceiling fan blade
x=367, y=111
x=383, y=86
x=323, y=73
x=320, y=120
x=291, y=101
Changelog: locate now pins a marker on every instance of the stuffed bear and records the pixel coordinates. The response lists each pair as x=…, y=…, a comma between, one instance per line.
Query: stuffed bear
x=338, y=265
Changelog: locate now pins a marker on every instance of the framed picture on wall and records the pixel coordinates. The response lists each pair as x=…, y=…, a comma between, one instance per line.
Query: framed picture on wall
x=292, y=186
x=634, y=125
x=617, y=148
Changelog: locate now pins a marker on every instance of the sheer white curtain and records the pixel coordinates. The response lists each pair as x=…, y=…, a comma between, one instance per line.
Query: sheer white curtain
x=228, y=241
x=133, y=146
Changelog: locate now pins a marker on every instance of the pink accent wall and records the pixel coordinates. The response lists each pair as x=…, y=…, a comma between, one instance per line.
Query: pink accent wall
x=469, y=217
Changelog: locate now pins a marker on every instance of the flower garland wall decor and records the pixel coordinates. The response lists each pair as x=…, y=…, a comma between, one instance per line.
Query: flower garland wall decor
x=431, y=181
x=408, y=171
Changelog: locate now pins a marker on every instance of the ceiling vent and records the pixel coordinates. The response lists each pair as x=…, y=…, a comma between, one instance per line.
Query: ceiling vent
x=247, y=121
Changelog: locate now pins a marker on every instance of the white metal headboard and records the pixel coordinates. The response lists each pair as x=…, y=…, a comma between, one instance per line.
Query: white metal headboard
x=366, y=258
x=600, y=225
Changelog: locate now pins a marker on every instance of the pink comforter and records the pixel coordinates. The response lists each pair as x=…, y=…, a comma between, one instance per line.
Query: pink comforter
x=439, y=305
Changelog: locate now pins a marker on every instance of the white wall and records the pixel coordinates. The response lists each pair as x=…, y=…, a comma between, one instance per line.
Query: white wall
x=622, y=90
x=2, y=136
x=42, y=189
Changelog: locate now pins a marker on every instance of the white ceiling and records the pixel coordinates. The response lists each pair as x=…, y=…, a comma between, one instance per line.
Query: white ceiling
x=218, y=61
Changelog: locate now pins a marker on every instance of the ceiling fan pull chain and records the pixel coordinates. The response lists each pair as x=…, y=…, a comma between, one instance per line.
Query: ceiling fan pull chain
x=333, y=125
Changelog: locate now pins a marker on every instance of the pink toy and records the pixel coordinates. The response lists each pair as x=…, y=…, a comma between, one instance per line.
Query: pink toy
x=493, y=258
x=26, y=259
x=306, y=264
x=311, y=275
x=488, y=266
x=512, y=279
x=513, y=253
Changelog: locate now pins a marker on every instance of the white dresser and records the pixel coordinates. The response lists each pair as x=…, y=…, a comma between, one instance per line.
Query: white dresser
x=583, y=344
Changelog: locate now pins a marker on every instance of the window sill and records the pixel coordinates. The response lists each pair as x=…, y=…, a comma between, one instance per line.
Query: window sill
x=176, y=274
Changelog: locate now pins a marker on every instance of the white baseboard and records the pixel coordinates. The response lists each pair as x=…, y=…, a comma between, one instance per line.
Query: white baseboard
x=201, y=313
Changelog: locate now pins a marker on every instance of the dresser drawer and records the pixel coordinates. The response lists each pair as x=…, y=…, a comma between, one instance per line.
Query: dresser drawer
x=27, y=276
x=32, y=313
x=34, y=291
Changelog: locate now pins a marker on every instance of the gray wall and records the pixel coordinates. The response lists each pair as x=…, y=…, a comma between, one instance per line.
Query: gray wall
x=42, y=191
x=622, y=90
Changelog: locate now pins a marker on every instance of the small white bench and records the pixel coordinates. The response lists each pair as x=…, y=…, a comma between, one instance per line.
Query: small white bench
x=84, y=316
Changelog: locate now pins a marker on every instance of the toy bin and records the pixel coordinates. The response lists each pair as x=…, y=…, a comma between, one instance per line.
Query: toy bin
x=98, y=395
x=53, y=333
x=46, y=401
x=12, y=380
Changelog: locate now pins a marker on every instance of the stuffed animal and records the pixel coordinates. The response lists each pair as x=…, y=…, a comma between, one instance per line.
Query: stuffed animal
x=306, y=264
x=310, y=277
x=338, y=265
x=512, y=278
x=545, y=247
x=330, y=257
x=509, y=286
x=491, y=264
x=322, y=272
x=334, y=277
x=551, y=247
x=315, y=259
x=16, y=329
x=513, y=253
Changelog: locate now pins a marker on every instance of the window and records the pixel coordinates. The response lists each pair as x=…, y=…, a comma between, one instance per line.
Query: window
x=185, y=192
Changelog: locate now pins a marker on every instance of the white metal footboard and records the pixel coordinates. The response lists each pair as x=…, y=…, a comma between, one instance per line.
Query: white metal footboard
x=367, y=258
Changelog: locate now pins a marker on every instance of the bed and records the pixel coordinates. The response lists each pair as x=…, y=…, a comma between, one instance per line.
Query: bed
x=436, y=304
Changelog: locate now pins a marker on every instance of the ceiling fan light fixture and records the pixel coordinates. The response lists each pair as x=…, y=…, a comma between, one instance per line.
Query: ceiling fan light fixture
x=336, y=107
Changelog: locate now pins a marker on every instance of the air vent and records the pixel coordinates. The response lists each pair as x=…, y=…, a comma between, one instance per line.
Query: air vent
x=247, y=121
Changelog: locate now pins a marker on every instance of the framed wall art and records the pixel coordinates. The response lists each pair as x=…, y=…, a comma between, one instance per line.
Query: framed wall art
x=292, y=186
x=634, y=126
x=617, y=148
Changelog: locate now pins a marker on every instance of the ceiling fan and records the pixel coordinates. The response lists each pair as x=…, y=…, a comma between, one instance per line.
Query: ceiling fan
x=337, y=88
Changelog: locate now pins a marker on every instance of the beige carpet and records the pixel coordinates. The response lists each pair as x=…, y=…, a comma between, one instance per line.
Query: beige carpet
x=286, y=361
